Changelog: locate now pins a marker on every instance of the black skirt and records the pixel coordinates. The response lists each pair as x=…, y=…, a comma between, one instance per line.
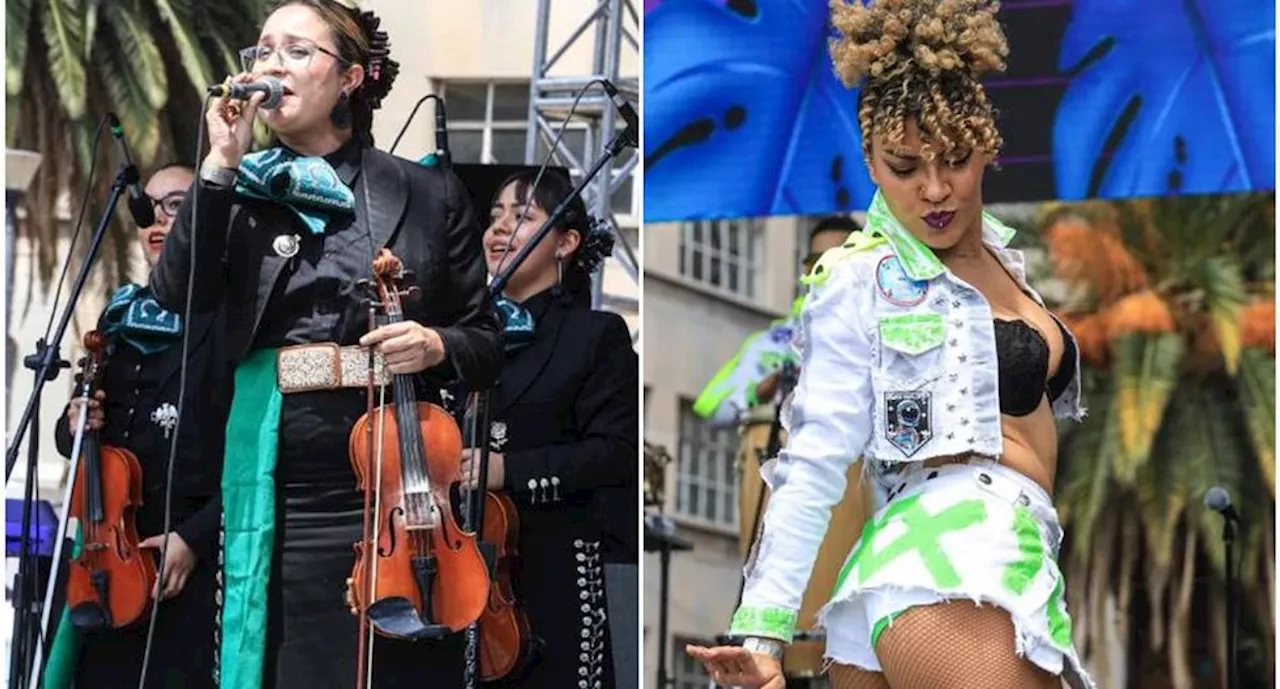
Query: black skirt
x=311, y=634
x=181, y=648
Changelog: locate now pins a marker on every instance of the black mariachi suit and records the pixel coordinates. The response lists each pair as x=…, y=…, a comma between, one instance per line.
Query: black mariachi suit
x=565, y=416
x=141, y=400
x=423, y=215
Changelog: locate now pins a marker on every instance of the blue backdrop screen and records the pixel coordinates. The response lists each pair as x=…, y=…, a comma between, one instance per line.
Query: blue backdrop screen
x=743, y=115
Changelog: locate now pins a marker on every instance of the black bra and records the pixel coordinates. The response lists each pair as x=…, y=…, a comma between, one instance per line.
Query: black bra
x=1023, y=362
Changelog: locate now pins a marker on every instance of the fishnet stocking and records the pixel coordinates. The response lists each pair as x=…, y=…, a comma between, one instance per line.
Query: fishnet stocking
x=953, y=645
x=849, y=677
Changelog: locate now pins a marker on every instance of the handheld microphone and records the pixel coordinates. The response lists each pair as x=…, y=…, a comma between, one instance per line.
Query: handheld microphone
x=273, y=87
x=1219, y=500
x=628, y=112
x=140, y=207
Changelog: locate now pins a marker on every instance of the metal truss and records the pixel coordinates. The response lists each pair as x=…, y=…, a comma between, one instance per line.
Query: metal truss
x=550, y=99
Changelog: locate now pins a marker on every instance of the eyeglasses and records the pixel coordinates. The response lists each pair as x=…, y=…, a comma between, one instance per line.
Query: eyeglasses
x=170, y=203
x=296, y=55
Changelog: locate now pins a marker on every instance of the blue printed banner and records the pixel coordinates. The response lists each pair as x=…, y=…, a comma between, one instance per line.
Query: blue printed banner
x=744, y=116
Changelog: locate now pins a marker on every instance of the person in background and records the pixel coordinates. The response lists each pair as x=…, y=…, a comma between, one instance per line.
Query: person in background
x=136, y=409
x=751, y=377
x=565, y=430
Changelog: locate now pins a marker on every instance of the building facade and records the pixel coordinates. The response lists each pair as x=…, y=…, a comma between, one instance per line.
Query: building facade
x=707, y=285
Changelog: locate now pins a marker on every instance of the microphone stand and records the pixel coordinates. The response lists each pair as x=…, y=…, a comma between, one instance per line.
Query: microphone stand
x=620, y=141
x=1233, y=609
x=478, y=437
x=46, y=363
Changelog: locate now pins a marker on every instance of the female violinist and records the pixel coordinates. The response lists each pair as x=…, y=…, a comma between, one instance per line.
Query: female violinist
x=135, y=409
x=564, y=431
x=287, y=261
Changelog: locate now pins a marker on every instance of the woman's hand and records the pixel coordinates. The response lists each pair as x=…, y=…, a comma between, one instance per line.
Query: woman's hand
x=179, y=560
x=471, y=470
x=230, y=126
x=96, y=417
x=734, y=666
x=406, y=347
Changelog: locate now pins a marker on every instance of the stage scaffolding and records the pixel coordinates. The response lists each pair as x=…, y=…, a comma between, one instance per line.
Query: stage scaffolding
x=616, y=27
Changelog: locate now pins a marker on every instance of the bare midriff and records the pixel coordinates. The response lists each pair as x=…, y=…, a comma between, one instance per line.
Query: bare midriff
x=1030, y=446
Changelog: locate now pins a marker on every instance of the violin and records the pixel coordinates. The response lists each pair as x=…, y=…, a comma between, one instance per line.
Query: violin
x=417, y=574
x=506, y=641
x=109, y=584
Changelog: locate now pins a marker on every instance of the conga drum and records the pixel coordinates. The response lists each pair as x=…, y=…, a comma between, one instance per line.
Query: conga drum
x=803, y=658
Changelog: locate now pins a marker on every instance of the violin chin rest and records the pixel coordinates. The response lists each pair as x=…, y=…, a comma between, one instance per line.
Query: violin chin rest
x=397, y=617
x=88, y=617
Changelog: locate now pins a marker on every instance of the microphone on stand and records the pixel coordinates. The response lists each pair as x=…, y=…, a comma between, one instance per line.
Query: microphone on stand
x=273, y=87
x=628, y=112
x=140, y=207
x=443, y=157
x=1219, y=500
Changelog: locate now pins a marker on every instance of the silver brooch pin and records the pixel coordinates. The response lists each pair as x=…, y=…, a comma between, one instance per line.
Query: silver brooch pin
x=287, y=245
x=166, y=417
x=497, y=435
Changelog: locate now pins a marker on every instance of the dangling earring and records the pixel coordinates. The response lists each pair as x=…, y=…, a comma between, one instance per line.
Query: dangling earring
x=341, y=114
x=557, y=290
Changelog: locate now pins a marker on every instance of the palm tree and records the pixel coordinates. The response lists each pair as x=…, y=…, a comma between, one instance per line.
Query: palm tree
x=1173, y=302
x=68, y=62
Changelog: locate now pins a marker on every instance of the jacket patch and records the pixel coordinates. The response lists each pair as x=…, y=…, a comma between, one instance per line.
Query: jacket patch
x=896, y=286
x=907, y=425
x=912, y=333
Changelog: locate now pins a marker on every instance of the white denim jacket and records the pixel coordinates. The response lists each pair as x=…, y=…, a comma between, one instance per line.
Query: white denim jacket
x=898, y=364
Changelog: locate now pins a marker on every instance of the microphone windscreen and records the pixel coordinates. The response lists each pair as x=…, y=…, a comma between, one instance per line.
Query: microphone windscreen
x=1217, y=499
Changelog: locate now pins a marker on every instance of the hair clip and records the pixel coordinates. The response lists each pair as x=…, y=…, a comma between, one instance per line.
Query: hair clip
x=597, y=243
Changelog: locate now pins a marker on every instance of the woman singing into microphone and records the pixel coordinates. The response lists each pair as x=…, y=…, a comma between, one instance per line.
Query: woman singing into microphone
x=285, y=262
x=928, y=357
x=564, y=431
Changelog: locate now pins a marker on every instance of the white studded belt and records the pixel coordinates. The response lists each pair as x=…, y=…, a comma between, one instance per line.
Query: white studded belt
x=327, y=366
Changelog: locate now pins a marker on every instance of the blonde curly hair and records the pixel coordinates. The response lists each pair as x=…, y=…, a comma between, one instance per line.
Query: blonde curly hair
x=921, y=59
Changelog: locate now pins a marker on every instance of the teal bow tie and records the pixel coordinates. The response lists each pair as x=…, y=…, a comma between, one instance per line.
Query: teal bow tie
x=136, y=317
x=309, y=186
x=518, y=325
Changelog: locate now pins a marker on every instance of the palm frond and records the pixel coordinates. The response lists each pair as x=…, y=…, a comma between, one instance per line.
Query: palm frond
x=177, y=15
x=17, y=22
x=1084, y=471
x=1146, y=373
x=1257, y=381
x=65, y=38
x=1224, y=295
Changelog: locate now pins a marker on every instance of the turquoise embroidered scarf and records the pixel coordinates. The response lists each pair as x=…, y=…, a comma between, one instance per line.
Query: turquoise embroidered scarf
x=309, y=186
x=518, y=324
x=135, y=316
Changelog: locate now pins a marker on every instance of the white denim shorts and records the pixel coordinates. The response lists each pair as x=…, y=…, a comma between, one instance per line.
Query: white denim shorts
x=978, y=531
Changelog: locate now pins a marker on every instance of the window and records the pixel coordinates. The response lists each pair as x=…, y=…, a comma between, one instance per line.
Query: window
x=688, y=672
x=489, y=124
x=722, y=253
x=706, y=471
x=802, y=251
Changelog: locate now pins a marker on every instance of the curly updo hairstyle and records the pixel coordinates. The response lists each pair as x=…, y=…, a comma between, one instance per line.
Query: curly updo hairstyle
x=921, y=59
x=356, y=35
